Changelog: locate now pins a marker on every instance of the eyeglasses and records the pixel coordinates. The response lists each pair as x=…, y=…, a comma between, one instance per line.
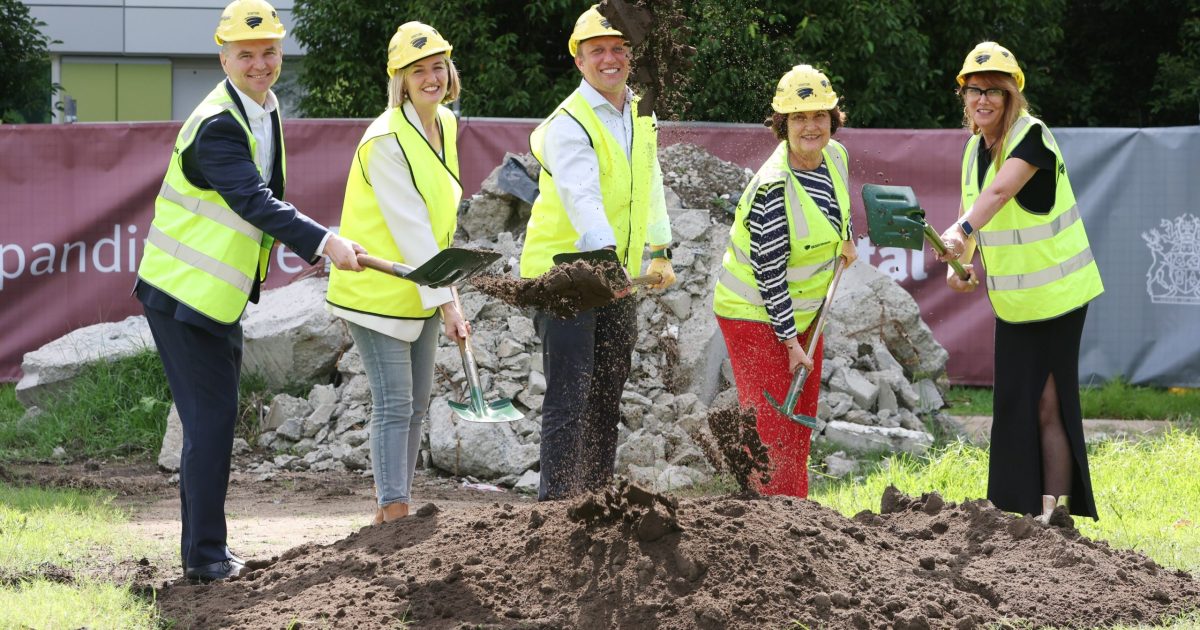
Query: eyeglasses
x=973, y=92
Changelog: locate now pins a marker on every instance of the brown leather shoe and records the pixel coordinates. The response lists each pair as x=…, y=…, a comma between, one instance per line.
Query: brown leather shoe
x=393, y=511
x=378, y=520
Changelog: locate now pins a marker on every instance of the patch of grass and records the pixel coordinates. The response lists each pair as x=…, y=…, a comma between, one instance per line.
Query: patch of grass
x=1147, y=492
x=115, y=408
x=968, y=401
x=43, y=532
x=1116, y=399
x=61, y=527
x=1119, y=399
x=11, y=409
x=43, y=604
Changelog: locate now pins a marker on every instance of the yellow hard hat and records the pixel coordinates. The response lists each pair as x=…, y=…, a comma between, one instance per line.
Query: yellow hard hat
x=991, y=57
x=591, y=24
x=414, y=41
x=248, y=19
x=803, y=89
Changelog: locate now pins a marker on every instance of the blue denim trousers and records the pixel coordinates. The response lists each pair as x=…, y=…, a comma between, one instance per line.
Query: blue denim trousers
x=401, y=376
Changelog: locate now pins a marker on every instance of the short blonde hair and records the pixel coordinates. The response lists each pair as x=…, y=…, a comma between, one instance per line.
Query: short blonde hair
x=1015, y=105
x=397, y=94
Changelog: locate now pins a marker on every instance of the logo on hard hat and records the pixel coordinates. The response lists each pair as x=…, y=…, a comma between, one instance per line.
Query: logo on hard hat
x=1174, y=275
x=419, y=42
x=982, y=58
x=254, y=21
x=804, y=92
x=605, y=23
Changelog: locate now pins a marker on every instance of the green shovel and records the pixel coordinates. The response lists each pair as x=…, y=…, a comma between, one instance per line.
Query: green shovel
x=788, y=408
x=448, y=268
x=895, y=219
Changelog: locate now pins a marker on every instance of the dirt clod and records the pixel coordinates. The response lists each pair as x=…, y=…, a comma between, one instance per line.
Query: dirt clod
x=564, y=291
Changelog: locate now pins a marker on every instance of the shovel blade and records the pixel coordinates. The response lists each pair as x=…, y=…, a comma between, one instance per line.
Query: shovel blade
x=894, y=217
x=501, y=410
x=798, y=418
x=453, y=265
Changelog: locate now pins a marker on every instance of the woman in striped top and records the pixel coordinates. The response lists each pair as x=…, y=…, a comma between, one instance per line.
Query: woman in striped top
x=791, y=225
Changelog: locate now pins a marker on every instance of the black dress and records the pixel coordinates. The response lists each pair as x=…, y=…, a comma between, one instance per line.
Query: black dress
x=1026, y=355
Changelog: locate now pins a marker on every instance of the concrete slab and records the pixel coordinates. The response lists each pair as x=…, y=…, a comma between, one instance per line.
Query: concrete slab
x=977, y=429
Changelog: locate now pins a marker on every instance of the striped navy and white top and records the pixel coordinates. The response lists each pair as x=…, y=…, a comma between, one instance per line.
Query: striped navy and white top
x=770, y=244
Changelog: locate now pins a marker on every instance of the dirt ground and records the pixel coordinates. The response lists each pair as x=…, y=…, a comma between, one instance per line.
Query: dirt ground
x=629, y=559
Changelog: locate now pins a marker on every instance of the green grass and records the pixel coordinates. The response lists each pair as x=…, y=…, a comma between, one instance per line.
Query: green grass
x=1115, y=399
x=41, y=604
x=113, y=409
x=1147, y=492
x=65, y=531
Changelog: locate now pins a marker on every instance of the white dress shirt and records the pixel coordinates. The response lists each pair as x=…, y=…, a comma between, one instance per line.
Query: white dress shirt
x=407, y=218
x=570, y=157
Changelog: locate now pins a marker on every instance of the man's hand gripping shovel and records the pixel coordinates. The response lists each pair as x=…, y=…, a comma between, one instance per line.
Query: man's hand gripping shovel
x=895, y=219
x=448, y=268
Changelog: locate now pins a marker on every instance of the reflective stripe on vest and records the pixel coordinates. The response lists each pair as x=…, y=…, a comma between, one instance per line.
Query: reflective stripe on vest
x=1039, y=266
x=435, y=178
x=231, y=275
x=810, y=263
x=624, y=189
x=1031, y=234
x=211, y=211
x=198, y=250
x=1043, y=277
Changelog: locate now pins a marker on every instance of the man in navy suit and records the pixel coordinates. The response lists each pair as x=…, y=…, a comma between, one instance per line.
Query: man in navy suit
x=216, y=217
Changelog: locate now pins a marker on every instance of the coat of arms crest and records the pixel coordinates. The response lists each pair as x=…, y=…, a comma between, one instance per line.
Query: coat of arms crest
x=1174, y=276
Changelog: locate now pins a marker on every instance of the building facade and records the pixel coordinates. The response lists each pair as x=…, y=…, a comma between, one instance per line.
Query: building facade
x=131, y=60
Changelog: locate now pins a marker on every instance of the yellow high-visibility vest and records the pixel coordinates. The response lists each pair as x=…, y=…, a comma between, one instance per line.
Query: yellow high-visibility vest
x=624, y=186
x=814, y=244
x=1039, y=266
x=435, y=178
x=199, y=251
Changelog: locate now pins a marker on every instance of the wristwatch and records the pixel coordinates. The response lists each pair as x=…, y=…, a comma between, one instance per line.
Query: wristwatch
x=661, y=253
x=966, y=227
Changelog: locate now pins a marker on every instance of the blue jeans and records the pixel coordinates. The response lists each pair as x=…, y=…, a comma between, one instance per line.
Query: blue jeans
x=401, y=376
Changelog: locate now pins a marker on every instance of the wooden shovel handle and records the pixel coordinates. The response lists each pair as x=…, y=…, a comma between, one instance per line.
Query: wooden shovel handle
x=648, y=279
x=386, y=266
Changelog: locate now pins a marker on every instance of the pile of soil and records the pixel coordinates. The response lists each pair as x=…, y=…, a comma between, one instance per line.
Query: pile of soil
x=631, y=559
x=564, y=291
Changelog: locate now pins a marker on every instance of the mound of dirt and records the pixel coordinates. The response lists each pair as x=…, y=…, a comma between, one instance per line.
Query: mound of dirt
x=628, y=558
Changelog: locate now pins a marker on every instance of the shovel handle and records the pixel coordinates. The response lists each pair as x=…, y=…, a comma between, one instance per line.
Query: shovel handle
x=935, y=239
x=386, y=266
x=650, y=278
x=802, y=374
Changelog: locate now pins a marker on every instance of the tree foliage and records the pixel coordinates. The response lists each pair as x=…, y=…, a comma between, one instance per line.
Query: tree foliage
x=1087, y=62
x=512, y=56
x=25, y=86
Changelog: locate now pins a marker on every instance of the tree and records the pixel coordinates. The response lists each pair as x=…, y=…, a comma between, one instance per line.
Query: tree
x=25, y=87
x=1176, y=88
x=512, y=56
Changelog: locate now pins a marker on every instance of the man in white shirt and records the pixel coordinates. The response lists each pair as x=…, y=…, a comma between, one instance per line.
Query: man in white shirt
x=600, y=188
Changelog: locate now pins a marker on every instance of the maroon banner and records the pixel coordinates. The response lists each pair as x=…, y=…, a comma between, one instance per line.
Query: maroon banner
x=76, y=201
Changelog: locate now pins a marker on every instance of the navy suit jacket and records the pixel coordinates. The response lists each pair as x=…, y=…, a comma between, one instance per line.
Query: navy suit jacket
x=219, y=159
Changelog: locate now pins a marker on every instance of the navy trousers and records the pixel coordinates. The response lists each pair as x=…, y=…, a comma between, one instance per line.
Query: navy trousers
x=587, y=361
x=202, y=370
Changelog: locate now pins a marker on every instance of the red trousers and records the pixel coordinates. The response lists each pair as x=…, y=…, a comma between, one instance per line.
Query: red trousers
x=760, y=363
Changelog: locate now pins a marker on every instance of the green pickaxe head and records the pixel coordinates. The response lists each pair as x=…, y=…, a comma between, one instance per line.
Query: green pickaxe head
x=894, y=218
